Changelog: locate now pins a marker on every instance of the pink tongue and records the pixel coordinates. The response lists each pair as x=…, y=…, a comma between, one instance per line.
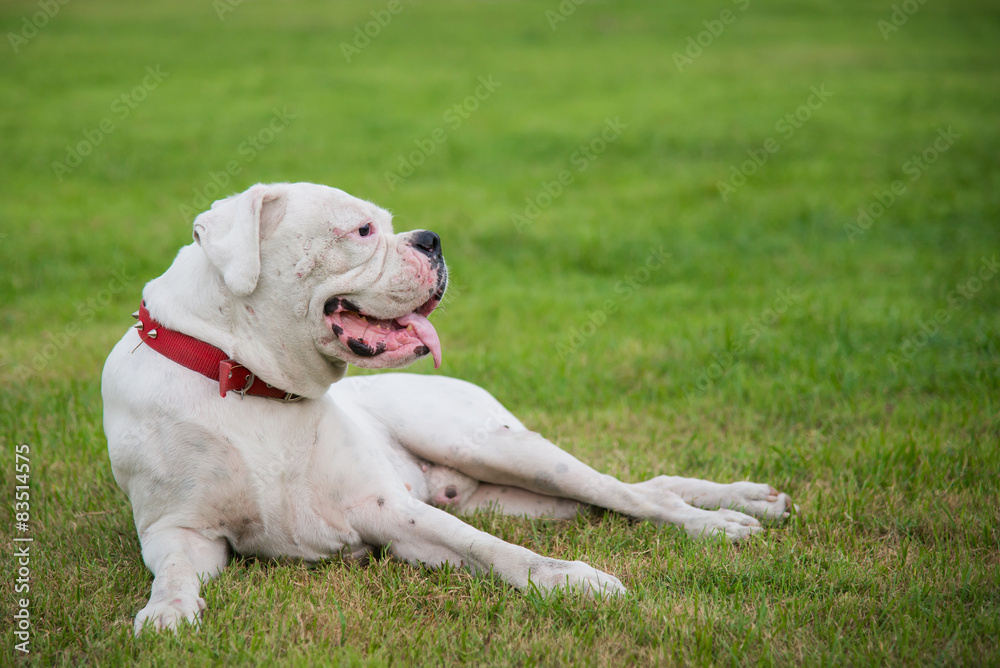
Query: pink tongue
x=425, y=331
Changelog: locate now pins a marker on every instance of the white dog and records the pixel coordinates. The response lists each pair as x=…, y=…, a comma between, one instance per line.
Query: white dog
x=286, y=285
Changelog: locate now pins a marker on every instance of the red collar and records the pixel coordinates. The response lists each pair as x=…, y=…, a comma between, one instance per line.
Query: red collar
x=204, y=358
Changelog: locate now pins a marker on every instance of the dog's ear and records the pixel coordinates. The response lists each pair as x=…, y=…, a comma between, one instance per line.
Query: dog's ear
x=230, y=233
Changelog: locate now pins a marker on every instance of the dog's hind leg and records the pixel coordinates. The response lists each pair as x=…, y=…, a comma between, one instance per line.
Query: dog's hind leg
x=180, y=559
x=448, y=488
x=526, y=460
x=520, y=502
x=459, y=425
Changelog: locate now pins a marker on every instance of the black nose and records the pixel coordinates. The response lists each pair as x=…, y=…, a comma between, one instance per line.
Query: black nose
x=427, y=243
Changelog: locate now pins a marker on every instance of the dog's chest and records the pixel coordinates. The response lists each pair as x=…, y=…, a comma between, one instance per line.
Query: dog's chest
x=270, y=494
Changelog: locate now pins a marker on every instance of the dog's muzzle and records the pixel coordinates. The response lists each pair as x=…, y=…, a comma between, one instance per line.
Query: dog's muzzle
x=379, y=342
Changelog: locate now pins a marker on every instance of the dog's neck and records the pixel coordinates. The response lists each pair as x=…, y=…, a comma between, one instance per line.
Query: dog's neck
x=191, y=297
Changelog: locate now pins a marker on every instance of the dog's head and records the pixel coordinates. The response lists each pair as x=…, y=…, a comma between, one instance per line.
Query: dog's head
x=315, y=267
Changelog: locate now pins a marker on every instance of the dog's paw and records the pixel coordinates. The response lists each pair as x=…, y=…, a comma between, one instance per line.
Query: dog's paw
x=761, y=501
x=578, y=576
x=731, y=524
x=169, y=614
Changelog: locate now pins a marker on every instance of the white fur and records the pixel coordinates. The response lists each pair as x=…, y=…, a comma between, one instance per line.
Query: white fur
x=355, y=465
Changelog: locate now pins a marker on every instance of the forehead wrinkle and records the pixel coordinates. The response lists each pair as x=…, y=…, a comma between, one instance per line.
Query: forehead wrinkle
x=343, y=217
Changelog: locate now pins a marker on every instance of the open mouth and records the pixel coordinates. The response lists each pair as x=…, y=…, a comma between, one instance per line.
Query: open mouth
x=368, y=337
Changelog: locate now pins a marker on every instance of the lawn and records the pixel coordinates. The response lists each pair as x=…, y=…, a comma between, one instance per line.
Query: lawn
x=732, y=240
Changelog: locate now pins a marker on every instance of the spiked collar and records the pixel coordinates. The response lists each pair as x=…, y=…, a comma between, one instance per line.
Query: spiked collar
x=206, y=359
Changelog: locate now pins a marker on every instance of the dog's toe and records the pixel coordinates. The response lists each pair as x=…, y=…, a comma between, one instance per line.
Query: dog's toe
x=761, y=501
x=734, y=525
x=169, y=614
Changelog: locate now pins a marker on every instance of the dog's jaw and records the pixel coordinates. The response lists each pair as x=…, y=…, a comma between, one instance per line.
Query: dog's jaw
x=371, y=342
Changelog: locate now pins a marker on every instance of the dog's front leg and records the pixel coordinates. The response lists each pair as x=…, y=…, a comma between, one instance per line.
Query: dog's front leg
x=180, y=559
x=421, y=534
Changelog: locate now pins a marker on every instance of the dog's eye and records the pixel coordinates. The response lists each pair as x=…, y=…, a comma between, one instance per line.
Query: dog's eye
x=365, y=230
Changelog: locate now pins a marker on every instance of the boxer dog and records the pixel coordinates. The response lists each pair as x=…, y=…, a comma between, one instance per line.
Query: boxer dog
x=231, y=428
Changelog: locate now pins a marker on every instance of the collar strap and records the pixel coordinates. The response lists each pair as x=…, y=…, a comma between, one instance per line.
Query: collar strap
x=205, y=358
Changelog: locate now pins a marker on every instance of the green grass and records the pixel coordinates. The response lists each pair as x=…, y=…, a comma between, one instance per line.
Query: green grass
x=893, y=458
